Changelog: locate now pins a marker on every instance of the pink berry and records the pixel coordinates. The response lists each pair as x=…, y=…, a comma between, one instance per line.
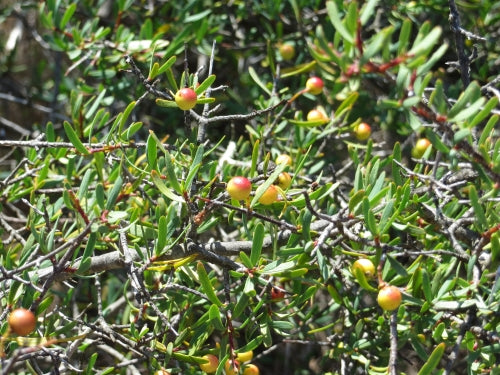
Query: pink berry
x=239, y=188
x=185, y=98
x=315, y=85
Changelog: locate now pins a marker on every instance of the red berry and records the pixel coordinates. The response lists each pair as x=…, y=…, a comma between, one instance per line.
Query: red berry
x=389, y=298
x=22, y=322
x=316, y=115
x=185, y=98
x=251, y=369
x=287, y=51
x=284, y=159
x=366, y=266
x=232, y=367
x=211, y=366
x=270, y=195
x=315, y=85
x=277, y=294
x=284, y=180
x=420, y=147
x=239, y=188
x=244, y=356
x=363, y=131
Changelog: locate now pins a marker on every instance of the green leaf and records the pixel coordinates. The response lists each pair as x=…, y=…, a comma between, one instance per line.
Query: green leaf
x=86, y=257
x=193, y=169
x=90, y=367
x=437, y=143
x=257, y=80
x=215, y=319
x=257, y=241
x=126, y=115
x=298, y=69
x=255, y=157
x=481, y=221
x=203, y=100
x=73, y=138
x=114, y=192
x=155, y=176
x=334, y=15
x=275, y=268
x=309, y=124
x=368, y=11
x=89, y=113
x=421, y=47
x=429, y=62
x=385, y=219
x=241, y=304
x=438, y=98
x=249, y=288
x=67, y=15
x=346, y=104
x=490, y=125
x=167, y=65
x=485, y=112
x=151, y=152
x=362, y=280
x=471, y=94
x=433, y=360
x=172, y=176
x=205, y=85
x=207, y=285
x=369, y=217
x=468, y=112
x=166, y=103
x=153, y=72
x=404, y=36
x=161, y=241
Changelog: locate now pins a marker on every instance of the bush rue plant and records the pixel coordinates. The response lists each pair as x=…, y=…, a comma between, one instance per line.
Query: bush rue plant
x=364, y=248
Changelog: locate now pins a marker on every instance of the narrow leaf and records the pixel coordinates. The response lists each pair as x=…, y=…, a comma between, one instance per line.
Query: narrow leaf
x=215, y=319
x=257, y=241
x=67, y=16
x=207, y=285
x=155, y=176
x=205, y=85
x=73, y=138
x=257, y=80
x=334, y=15
x=478, y=209
x=433, y=360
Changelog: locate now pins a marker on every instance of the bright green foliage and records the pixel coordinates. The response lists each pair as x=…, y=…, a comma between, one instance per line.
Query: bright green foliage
x=117, y=230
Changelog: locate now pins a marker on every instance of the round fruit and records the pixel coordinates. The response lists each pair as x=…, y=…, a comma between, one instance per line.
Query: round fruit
x=162, y=372
x=239, y=188
x=314, y=85
x=420, y=147
x=284, y=180
x=277, y=294
x=251, y=370
x=389, y=298
x=211, y=366
x=22, y=322
x=185, y=98
x=316, y=115
x=366, y=266
x=284, y=159
x=270, y=195
x=244, y=356
x=363, y=131
x=232, y=367
x=287, y=51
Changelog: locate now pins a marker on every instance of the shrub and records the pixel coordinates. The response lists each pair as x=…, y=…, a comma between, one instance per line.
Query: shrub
x=117, y=231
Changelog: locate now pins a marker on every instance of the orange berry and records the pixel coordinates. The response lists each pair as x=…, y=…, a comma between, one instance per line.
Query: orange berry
x=22, y=322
